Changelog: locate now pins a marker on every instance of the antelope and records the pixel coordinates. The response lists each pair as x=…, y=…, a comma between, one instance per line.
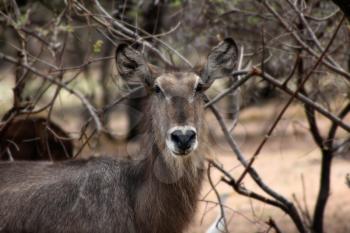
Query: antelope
x=32, y=138
x=157, y=193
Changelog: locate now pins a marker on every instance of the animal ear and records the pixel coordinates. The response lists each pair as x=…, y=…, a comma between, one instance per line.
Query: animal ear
x=221, y=61
x=131, y=65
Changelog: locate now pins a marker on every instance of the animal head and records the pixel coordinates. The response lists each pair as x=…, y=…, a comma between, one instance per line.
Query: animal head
x=177, y=98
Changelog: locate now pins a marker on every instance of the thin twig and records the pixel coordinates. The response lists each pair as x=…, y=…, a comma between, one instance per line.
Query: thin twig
x=84, y=101
x=319, y=108
x=336, y=69
x=279, y=117
x=288, y=206
x=222, y=211
x=234, y=87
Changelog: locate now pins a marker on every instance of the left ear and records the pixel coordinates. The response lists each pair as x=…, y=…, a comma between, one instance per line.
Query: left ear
x=132, y=65
x=221, y=61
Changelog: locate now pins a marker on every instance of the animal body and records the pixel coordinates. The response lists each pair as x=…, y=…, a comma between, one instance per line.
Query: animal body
x=155, y=194
x=32, y=138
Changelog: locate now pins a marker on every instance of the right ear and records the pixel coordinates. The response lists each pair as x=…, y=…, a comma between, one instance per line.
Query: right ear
x=221, y=61
x=131, y=64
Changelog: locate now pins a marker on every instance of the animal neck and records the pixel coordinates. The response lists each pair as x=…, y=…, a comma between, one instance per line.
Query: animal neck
x=168, y=196
x=169, y=192
x=171, y=170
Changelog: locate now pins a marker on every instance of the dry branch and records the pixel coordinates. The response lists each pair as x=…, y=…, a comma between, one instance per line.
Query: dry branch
x=289, y=207
x=336, y=68
x=289, y=102
x=52, y=80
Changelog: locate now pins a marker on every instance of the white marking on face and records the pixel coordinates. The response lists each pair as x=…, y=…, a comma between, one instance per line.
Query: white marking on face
x=191, y=98
x=167, y=97
x=171, y=145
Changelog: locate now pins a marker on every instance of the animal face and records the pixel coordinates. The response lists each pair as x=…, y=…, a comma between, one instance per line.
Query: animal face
x=178, y=109
x=176, y=98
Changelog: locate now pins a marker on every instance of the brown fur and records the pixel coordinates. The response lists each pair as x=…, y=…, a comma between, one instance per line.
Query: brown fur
x=30, y=139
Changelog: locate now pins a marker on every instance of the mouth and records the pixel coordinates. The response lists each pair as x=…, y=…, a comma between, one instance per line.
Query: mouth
x=181, y=153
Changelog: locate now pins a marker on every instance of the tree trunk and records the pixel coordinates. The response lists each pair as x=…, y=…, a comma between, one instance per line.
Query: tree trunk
x=317, y=225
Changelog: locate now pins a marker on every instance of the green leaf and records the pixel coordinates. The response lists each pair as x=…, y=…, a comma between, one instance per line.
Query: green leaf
x=69, y=28
x=66, y=28
x=23, y=19
x=176, y=3
x=97, y=46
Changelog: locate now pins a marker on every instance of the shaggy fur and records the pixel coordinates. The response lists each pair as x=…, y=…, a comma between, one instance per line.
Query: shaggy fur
x=156, y=194
x=29, y=138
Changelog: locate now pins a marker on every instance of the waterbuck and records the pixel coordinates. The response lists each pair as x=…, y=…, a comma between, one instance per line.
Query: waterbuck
x=34, y=138
x=155, y=194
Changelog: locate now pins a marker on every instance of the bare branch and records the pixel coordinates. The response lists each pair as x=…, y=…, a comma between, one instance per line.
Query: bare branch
x=290, y=208
x=306, y=100
x=84, y=101
x=222, y=212
x=336, y=69
x=279, y=117
x=234, y=87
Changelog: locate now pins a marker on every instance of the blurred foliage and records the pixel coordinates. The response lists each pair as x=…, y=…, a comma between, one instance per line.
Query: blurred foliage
x=23, y=19
x=97, y=46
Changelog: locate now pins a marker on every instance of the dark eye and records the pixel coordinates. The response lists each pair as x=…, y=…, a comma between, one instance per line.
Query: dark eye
x=199, y=87
x=157, y=89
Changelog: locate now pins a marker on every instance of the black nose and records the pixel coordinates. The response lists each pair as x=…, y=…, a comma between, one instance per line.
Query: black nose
x=183, y=141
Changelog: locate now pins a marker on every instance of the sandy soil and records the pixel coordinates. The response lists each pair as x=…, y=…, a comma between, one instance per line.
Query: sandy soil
x=289, y=164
